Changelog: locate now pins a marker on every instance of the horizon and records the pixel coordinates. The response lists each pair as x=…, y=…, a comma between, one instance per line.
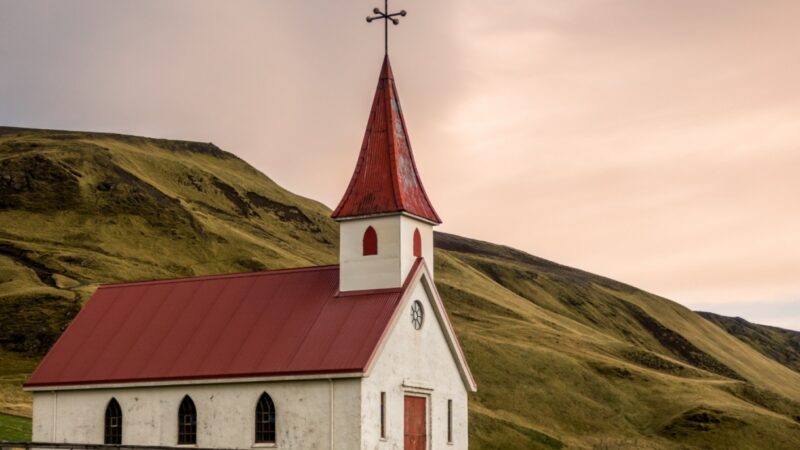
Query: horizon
x=690, y=196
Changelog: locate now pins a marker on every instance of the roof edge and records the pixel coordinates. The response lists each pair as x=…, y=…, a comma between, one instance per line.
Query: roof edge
x=450, y=332
x=399, y=212
x=210, y=379
x=340, y=294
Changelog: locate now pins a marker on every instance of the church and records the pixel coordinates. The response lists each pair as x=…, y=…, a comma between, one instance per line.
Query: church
x=359, y=355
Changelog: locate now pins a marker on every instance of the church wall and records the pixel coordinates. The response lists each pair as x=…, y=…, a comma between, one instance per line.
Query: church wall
x=389, y=268
x=225, y=414
x=407, y=227
x=379, y=271
x=414, y=362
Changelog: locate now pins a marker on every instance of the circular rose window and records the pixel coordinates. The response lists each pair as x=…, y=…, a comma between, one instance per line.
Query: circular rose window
x=417, y=314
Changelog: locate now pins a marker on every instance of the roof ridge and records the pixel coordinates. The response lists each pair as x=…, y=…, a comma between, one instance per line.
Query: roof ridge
x=219, y=276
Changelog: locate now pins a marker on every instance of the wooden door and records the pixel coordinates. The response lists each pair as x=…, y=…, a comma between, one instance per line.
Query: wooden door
x=416, y=429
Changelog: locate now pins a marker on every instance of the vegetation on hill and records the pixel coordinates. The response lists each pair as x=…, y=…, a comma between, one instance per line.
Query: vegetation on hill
x=778, y=343
x=595, y=363
x=14, y=428
x=563, y=358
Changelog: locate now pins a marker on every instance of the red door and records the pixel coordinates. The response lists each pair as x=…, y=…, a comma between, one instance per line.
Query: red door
x=416, y=431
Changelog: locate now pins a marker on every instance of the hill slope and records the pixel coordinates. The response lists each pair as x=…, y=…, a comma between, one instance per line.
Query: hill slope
x=779, y=344
x=562, y=357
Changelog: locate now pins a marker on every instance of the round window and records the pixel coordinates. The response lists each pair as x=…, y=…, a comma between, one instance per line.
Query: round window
x=417, y=314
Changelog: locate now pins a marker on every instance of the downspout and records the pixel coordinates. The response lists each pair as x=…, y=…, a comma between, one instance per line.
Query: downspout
x=55, y=414
x=331, y=402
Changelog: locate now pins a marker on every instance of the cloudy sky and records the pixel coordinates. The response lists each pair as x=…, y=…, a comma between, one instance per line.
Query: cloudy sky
x=655, y=142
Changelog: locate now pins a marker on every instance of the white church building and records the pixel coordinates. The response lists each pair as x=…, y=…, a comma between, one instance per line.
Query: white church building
x=359, y=355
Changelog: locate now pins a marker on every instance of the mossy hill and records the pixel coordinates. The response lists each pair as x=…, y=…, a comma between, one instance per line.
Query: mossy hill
x=563, y=358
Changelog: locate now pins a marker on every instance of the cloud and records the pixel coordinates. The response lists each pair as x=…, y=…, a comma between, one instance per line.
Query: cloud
x=654, y=142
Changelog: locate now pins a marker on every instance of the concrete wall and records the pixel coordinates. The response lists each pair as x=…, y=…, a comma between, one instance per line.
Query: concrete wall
x=387, y=269
x=225, y=414
x=414, y=362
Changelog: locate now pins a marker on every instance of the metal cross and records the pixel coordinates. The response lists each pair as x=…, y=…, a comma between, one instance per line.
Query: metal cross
x=386, y=18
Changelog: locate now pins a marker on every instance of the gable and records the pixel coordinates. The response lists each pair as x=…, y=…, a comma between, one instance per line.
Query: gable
x=434, y=342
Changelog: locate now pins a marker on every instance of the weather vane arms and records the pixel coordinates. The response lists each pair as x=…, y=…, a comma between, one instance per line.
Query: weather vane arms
x=393, y=17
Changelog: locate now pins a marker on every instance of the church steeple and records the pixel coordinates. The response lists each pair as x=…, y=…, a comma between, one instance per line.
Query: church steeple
x=386, y=179
x=386, y=219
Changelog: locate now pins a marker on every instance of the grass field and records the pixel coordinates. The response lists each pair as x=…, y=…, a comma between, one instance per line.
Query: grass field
x=14, y=368
x=14, y=428
x=563, y=358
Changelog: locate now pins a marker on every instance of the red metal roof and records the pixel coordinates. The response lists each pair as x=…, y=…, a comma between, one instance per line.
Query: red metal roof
x=285, y=322
x=386, y=179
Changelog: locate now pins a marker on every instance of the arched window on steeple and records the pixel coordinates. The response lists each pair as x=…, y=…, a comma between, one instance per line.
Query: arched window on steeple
x=417, y=244
x=187, y=422
x=113, y=428
x=265, y=420
x=370, y=242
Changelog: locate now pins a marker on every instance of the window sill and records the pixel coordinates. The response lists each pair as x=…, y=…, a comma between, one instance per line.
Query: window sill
x=265, y=445
x=186, y=445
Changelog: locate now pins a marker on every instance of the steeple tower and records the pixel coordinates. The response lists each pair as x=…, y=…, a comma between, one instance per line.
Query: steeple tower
x=386, y=219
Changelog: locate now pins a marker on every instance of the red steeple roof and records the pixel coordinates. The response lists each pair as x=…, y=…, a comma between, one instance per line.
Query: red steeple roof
x=386, y=178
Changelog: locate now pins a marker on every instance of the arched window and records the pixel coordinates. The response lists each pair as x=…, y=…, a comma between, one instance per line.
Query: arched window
x=187, y=422
x=265, y=420
x=370, y=242
x=113, y=429
x=417, y=244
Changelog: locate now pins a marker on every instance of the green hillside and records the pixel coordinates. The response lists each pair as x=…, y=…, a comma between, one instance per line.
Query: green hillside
x=779, y=344
x=563, y=358
x=14, y=428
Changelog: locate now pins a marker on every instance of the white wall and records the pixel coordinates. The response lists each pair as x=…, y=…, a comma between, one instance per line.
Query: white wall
x=387, y=269
x=407, y=227
x=414, y=357
x=225, y=414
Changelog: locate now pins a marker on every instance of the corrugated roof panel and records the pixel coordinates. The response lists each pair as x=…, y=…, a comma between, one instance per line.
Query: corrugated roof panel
x=157, y=348
x=269, y=323
x=90, y=353
x=158, y=325
x=194, y=304
x=241, y=323
x=321, y=338
x=268, y=328
x=212, y=323
x=368, y=309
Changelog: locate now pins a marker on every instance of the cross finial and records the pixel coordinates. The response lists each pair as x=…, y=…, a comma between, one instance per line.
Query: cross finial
x=386, y=18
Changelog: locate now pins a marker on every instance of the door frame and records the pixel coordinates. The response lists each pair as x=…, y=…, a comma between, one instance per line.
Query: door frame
x=428, y=404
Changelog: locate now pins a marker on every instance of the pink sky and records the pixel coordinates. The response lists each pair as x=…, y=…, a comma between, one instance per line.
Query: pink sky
x=657, y=142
